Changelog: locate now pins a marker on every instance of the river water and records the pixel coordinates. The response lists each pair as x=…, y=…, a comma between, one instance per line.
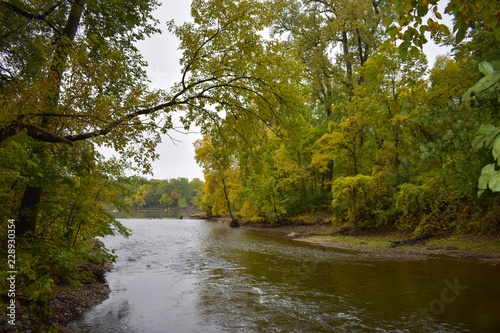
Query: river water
x=199, y=276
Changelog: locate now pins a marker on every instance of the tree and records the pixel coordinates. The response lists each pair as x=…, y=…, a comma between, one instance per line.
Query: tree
x=66, y=98
x=335, y=39
x=481, y=17
x=219, y=178
x=92, y=85
x=369, y=126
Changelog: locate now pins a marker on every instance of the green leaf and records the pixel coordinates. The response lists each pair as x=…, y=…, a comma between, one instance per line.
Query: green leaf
x=485, y=136
x=488, y=169
x=491, y=137
x=486, y=68
x=398, y=6
x=496, y=148
x=33, y=164
x=494, y=182
x=497, y=32
x=422, y=10
x=388, y=21
x=490, y=178
x=482, y=85
x=486, y=129
x=478, y=142
x=460, y=34
x=408, y=6
x=482, y=183
x=392, y=31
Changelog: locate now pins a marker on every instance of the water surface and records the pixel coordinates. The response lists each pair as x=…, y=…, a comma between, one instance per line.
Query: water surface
x=199, y=276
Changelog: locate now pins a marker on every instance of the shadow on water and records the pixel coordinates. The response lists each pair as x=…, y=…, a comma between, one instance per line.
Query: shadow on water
x=199, y=276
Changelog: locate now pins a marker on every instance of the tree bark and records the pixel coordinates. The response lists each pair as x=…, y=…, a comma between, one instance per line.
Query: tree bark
x=28, y=213
x=234, y=223
x=348, y=64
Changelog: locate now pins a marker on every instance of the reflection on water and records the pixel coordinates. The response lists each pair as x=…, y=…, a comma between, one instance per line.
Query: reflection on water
x=177, y=213
x=198, y=276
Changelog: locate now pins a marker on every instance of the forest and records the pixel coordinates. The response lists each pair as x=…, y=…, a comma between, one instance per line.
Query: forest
x=365, y=130
x=305, y=107
x=163, y=194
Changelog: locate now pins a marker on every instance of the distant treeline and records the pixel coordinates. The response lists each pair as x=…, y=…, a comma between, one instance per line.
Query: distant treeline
x=164, y=194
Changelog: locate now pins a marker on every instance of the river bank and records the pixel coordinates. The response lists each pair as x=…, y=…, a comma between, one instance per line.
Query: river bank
x=64, y=305
x=317, y=229
x=68, y=303
x=376, y=243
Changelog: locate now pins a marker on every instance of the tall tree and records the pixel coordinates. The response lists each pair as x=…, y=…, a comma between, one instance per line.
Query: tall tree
x=335, y=39
x=72, y=73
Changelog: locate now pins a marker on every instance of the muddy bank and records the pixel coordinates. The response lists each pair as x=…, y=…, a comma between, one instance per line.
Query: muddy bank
x=420, y=251
x=317, y=229
x=373, y=243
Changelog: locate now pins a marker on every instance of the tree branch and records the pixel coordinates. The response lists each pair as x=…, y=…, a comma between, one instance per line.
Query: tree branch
x=42, y=134
x=30, y=16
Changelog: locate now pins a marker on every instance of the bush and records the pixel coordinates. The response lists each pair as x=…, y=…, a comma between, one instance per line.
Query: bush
x=363, y=201
x=432, y=206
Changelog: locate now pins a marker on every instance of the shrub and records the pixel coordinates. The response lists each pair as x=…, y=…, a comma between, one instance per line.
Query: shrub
x=432, y=206
x=363, y=201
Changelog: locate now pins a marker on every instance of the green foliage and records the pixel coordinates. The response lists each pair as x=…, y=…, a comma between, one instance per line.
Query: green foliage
x=370, y=110
x=79, y=187
x=431, y=206
x=487, y=135
x=479, y=14
x=487, y=84
x=45, y=263
x=363, y=201
x=304, y=106
x=163, y=194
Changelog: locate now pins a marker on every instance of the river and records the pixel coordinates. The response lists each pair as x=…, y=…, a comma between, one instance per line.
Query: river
x=199, y=276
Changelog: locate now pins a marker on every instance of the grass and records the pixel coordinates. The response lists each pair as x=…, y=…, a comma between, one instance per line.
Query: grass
x=370, y=242
x=381, y=241
x=476, y=244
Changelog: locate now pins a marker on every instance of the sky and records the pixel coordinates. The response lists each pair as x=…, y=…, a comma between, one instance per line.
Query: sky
x=162, y=54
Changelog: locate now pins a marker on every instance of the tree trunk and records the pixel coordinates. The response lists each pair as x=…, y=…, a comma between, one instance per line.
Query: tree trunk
x=234, y=223
x=348, y=64
x=354, y=220
x=329, y=177
x=28, y=213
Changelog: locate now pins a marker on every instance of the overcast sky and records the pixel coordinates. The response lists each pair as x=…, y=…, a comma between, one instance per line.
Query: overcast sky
x=162, y=54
